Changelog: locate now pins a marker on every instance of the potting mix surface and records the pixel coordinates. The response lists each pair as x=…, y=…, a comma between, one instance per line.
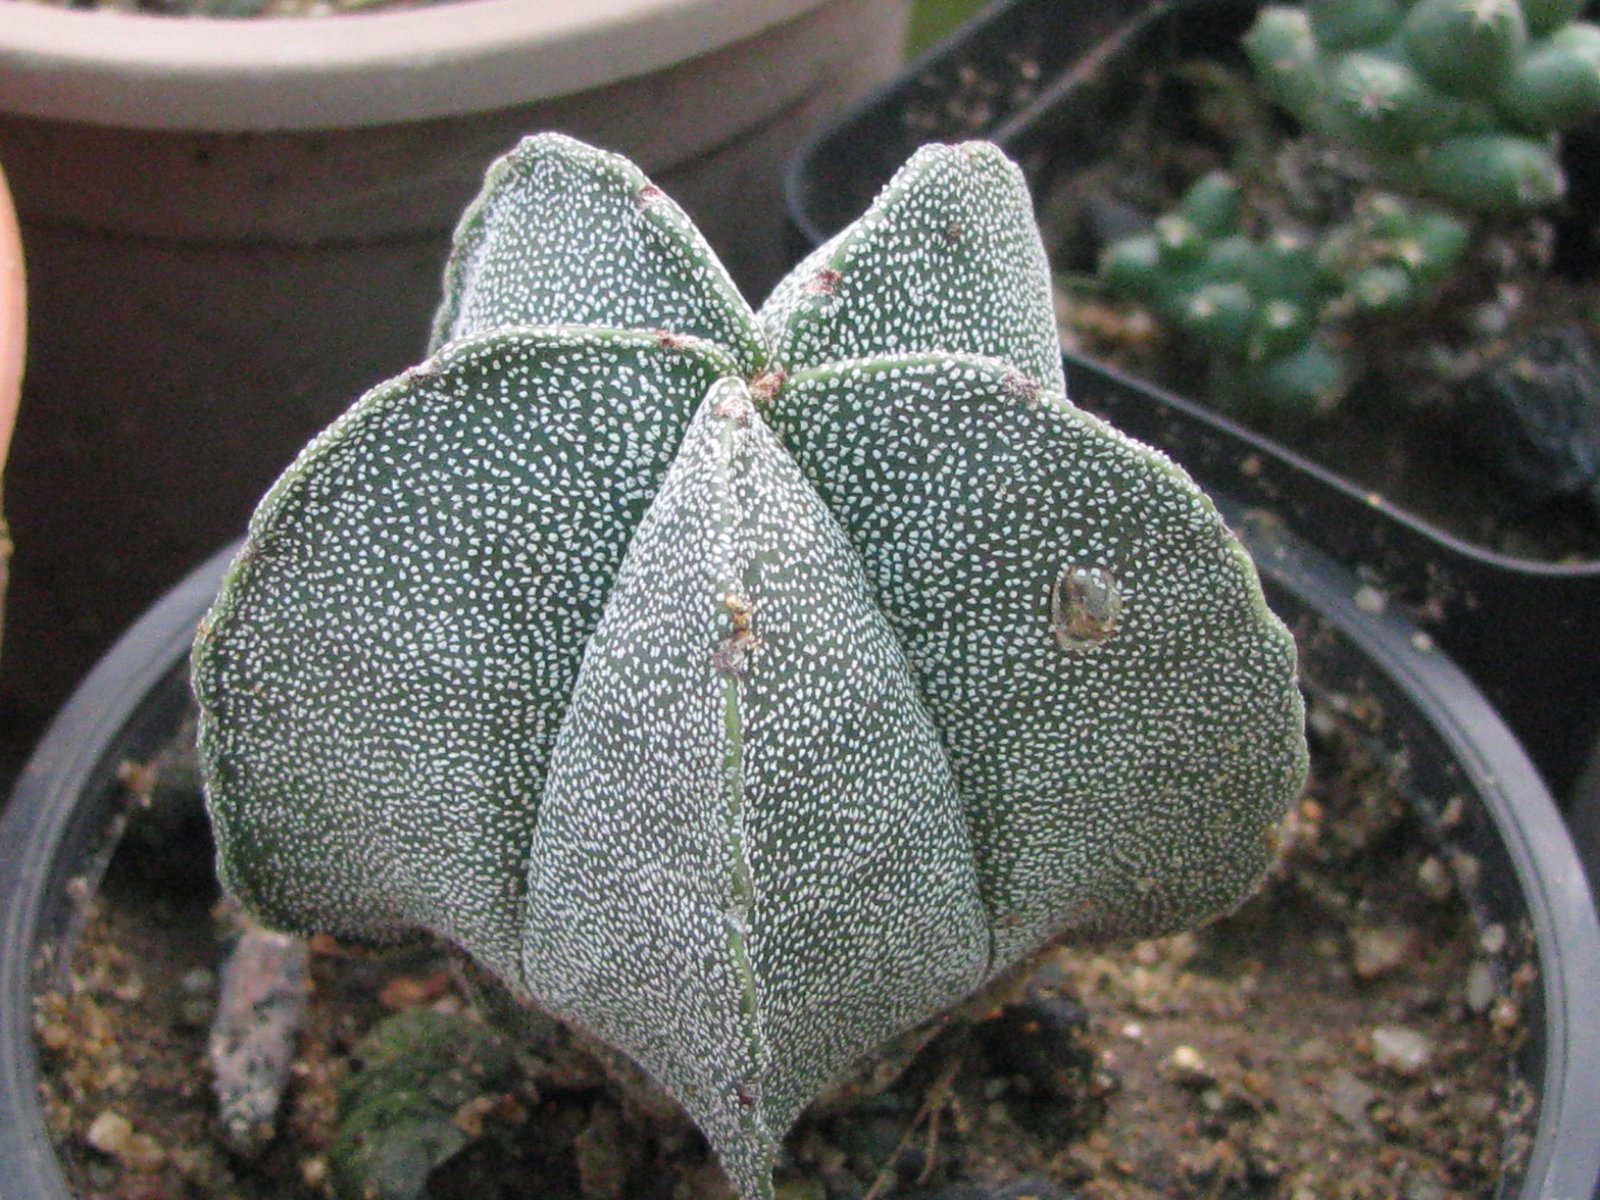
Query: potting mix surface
x=1347, y=1035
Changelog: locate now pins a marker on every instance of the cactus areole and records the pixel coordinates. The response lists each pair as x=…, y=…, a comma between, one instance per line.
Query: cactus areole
x=742, y=687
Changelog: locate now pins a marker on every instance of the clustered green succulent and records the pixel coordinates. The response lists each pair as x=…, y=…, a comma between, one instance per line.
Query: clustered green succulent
x=1266, y=308
x=1458, y=99
x=1455, y=101
x=741, y=687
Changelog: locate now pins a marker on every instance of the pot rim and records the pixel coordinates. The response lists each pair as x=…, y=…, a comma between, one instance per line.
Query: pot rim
x=13, y=327
x=145, y=71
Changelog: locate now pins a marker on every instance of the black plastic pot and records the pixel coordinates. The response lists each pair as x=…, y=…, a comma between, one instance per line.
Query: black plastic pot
x=1455, y=755
x=1528, y=633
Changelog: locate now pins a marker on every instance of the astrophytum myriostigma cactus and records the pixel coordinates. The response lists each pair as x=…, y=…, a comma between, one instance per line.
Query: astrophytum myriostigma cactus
x=741, y=687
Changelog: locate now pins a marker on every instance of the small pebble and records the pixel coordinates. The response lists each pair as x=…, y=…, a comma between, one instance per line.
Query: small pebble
x=1505, y=1014
x=261, y=1006
x=1481, y=986
x=141, y=1152
x=1187, y=1069
x=1400, y=1048
x=1468, y=869
x=109, y=1132
x=1424, y=1187
x=1348, y=1099
x=314, y=1171
x=413, y=991
x=1370, y=600
x=199, y=982
x=1314, y=1050
x=1378, y=951
x=1435, y=879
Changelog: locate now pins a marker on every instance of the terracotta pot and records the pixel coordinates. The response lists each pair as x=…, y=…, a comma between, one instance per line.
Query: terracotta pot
x=234, y=227
x=13, y=334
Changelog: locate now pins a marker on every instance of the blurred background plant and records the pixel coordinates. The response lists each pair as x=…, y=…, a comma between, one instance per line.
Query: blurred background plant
x=932, y=20
x=1426, y=147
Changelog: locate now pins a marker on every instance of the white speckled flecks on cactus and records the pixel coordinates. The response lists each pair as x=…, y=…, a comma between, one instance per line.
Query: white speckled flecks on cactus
x=745, y=688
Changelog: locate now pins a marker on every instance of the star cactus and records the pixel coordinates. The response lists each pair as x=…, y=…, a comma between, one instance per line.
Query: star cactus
x=743, y=688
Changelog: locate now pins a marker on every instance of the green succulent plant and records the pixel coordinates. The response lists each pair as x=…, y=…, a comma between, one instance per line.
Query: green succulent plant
x=1459, y=99
x=1455, y=102
x=1269, y=310
x=743, y=688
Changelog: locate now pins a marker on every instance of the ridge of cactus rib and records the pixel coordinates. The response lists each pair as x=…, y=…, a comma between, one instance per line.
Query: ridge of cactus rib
x=565, y=234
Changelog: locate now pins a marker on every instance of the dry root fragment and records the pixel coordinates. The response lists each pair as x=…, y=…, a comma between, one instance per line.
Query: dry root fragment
x=260, y=1011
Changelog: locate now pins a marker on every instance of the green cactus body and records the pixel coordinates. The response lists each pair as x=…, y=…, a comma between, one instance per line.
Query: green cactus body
x=1546, y=16
x=1280, y=327
x=1345, y=24
x=1283, y=51
x=1455, y=101
x=1465, y=46
x=742, y=687
x=1266, y=309
x=1382, y=288
x=1380, y=104
x=1304, y=383
x=1212, y=205
x=1492, y=172
x=1220, y=314
x=1556, y=84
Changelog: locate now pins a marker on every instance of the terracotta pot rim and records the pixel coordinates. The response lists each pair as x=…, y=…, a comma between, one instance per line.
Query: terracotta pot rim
x=139, y=71
x=13, y=327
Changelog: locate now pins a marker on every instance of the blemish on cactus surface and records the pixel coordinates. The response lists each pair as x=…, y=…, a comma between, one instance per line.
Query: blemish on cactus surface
x=825, y=282
x=1085, y=607
x=740, y=609
x=733, y=655
x=1021, y=387
x=765, y=385
x=733, y=404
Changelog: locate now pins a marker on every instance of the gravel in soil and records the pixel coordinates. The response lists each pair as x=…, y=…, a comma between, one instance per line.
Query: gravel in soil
x=1346, y=1035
